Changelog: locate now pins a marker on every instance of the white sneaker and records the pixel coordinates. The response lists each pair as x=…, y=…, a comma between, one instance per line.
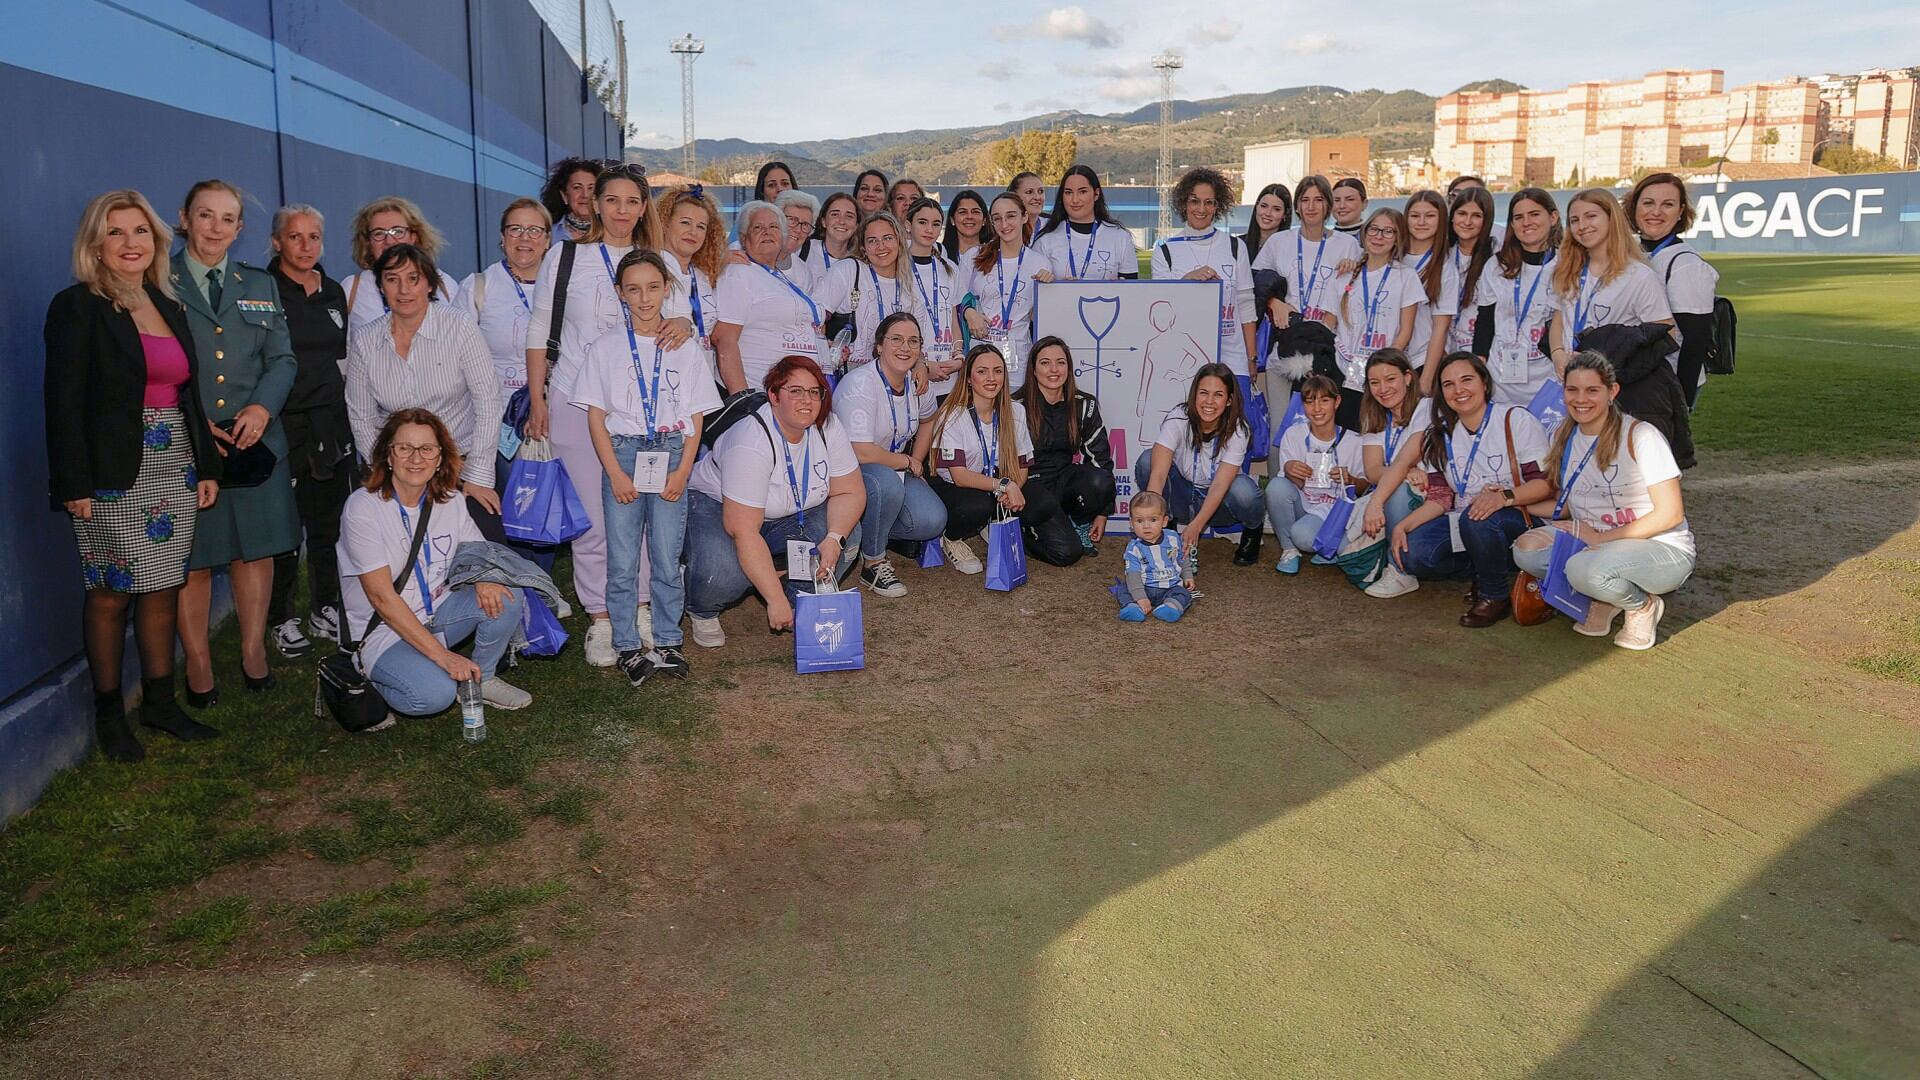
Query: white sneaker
x=289, y=640
x=1642, y=627
x=325, y=624
x=1392, y=582
x=706, y=632
x=1599, y=621
x=643, y=621
x=502, y=694
x=600, y=644
x=960, y=556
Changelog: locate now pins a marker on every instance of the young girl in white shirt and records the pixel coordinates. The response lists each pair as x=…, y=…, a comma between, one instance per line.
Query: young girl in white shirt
x=1427, y=243
x=1318, y=461
x=1470, y=246
x=1203, y=250
x=1081, y=240
x=1001, y=274
x=1601, y=277
x=1517, y=301
x=1616, y=487
x=934, y=282
x=1376, y=308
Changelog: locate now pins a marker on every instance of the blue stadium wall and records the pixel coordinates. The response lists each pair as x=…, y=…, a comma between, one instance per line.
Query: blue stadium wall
x=456, y=104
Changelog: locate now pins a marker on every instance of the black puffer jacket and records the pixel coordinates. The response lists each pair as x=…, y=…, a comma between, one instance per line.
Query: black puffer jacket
x=1649, y=390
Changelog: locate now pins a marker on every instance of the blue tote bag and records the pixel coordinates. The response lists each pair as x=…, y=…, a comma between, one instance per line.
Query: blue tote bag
x=1554, y=588
x=1549, y=405
x=930, y=555
x=829, y=632
x=1333, y=531
x=1259, y=437
x=540, y=505
x=1006, y=556
x=1296, y=414
x=545, y=636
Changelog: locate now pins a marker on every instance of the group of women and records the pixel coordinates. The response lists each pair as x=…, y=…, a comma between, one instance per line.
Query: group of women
x=863, y=376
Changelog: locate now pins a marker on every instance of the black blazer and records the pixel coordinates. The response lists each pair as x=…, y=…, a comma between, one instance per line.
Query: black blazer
x=96, y=385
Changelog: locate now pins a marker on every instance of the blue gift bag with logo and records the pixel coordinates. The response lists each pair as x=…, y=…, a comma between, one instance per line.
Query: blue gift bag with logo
x=1333, y=531
x=540, y=505
x=829, y=632
x=1296, y=414
x=1554, y=588
x=545, y=636
x=1006, y=556
x=1549, y=405
x=931, y=555
x=1258, y=435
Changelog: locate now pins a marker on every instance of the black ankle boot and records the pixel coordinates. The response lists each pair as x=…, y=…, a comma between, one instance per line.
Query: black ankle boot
x=160, y=712
x=1248, y=552
x=262, y=684
x=115, y=738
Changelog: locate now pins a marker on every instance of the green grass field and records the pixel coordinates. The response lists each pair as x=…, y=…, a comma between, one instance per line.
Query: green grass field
x=1022, y=845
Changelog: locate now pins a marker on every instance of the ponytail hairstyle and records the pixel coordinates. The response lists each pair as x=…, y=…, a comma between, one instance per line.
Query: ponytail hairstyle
x=1608, y=445
x=1510, y=251
x=1399, y=222
x=1373, y=415
x=1006, y=433
x=1101, y=215
x=1034, y=400
x=1618, y=246
x=1232, y=418
x=990, y=247
x=1445, y=420
x=951, y=241
x=1432, y=274
x=1482, y=245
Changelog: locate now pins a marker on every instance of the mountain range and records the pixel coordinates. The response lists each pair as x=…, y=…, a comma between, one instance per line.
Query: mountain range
x=1123, y=147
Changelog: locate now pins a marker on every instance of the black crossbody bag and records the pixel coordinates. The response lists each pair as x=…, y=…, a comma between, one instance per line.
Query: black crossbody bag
x=343, y=691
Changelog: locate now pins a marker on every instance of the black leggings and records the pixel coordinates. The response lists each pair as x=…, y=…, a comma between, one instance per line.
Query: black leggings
x=1049, y=534
x=1085, y=491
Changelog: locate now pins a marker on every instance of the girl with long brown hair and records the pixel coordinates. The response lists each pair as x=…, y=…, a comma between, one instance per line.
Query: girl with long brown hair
x=1196, y=463
x=1517, y=301
x=1072, y=456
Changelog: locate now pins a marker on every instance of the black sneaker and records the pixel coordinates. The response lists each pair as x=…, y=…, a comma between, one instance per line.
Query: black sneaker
x=635, y=665
x=669, y=660
x=882, y=580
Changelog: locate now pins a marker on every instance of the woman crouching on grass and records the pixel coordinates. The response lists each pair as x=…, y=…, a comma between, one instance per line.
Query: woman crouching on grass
x=1195, y=463
x=1616, y=482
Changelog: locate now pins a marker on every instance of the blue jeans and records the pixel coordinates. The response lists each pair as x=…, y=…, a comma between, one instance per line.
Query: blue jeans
x=663, y=525
x=898, y=508
x=1287, y=509
x=1242, y=506
x=1621, y=573
x=1486, y=562
x=715, y=579
x=416, y=686
x=1177, y=595
x=1398, y=505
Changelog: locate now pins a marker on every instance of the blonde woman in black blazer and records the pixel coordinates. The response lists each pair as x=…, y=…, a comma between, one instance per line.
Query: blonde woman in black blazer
x=129, y=455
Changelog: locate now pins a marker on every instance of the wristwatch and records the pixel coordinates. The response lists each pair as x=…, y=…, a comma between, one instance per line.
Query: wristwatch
x=1000, y=488
x=1506, y=496
x=836, y=538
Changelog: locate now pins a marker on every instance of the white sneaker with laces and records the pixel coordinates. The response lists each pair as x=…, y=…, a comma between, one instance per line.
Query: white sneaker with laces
x=325, y=624
x=502, y=694
x=600, y=644
x=706, y=632
x=290, y=641
x=1641, y=628
x=1599, y=623
x=1392, y=582
x=960, y=556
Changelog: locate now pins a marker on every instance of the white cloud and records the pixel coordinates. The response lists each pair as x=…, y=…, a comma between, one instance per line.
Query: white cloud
x=1106, y=70
x=654, y=140
x=1216, y=31
x=1000, y=70
x=1129, y=90
x=1314, y=44
x=744, y=61
x=1003, y=106
x=1045, y=105
x=1064, y=24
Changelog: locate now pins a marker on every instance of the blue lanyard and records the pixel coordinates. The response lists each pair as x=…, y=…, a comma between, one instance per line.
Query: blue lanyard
x=1332, y=446
x=1372, y=307
x=1567, y=478
x=426, y=552
x=1672, y=239
x=991, y=453
x=1580, y=310
x=693, y=290
x=1460, y=271
x=812, y=308
x=1520, y=310
x=895, y=442
x=1299, y=266
x=1092, y=235
x=607, y=261
x=1006, y=297
x=1460, y=480
x=649, y=399
x=1391, y=440
x=1422, y=264
x=508, y=270
x=875, y=277
x=933, y=308
x=800, y=486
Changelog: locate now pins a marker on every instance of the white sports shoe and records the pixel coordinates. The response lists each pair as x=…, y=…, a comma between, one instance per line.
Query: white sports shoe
x=1392, y=582
x=706, y=632
x=502, y=694
x=600, y=644
x=324, y=624
x=1642, y=627
x=960, y=556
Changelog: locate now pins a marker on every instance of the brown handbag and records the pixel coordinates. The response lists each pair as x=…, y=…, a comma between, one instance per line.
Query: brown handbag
x=1529, y=607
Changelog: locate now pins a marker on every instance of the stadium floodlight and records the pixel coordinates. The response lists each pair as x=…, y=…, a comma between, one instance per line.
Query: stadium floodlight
x=1166, y=64
x=688, y=50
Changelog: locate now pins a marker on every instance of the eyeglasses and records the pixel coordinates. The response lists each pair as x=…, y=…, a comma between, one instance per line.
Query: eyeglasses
x=813, y=392
x=535, y=231
x=421, y=453
x=397, y=232
x=1384, y=232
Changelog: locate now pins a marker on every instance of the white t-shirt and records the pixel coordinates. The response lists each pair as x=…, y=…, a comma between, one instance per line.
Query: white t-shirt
x=611, y=378
x=936, y=285
x=1199, y=465
x=1103, y=253
x=1416, y=423
x=879, y=297
x=1309, y=267
x=373, y=536
x=967, y=440
x=1368, y=307
x=506, y=305
x=774, y=320
x=1188, y=251
x=1635, y=296
x=1005, y=294
x=871, y=412
x=1460, y=336
x=1447, y=304
x=694, y=299
x=1342, y=451
x=1518, y=358
x=1691, y=283
x=1482, y=462
x=368, y=304
x=593, y=306
x=744, y=468
x=812, y=264
x=1616, y=496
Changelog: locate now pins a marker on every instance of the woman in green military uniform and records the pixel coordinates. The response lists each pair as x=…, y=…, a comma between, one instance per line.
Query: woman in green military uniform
x=247, y=367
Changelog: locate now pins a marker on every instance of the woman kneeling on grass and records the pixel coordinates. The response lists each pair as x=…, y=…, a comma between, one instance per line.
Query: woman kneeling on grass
x=414, y=469
x=885, y=419
x=1619, y=486
x=1195, y=463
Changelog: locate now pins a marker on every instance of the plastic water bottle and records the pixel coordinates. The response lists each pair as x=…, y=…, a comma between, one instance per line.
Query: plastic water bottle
x=473, y=710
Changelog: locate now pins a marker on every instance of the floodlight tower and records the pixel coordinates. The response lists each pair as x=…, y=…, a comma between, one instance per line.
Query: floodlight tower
x=1166, y=64
x=688, y=50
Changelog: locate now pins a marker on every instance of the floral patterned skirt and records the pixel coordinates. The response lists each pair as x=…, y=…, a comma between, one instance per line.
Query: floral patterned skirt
x=139, y=539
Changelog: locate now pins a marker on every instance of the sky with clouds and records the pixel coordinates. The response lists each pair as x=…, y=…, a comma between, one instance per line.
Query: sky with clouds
x=795, y=71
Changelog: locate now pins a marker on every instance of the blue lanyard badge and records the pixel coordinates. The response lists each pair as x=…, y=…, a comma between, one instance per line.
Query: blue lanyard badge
x=426, y=553
x=931, y=302
x=875, y=278
x=613, y=278
x=1672, y=239
x=507, y=270
x=897, y=440
x=693, y=290
x=1460, y=478
x=800, y=486
x=1520, y=310
x=1392, y=440
x=812, y=308
x=991, y=453
x=1582, y=305
x=1006, y=294
x=1370, y=301
x=1332, y=446
x=1299, y=267
x=1567, y=478
x=1092, y=235
x=1422, y=264
x=1466, y=287
x=649, y=398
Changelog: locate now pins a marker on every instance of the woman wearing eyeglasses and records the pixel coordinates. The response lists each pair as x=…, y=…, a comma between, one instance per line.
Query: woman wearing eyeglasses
x=1376, y=308
x=874, y=284
x=499, y=297
x=763, y=313
x=378, y=226
x=885, y=418
x=781, y=482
